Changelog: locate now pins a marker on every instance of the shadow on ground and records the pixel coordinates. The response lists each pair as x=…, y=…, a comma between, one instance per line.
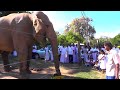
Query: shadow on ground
x=14, y=75
x=45, y=72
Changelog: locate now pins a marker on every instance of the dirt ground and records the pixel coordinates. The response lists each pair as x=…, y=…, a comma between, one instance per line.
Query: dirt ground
x=45, y=70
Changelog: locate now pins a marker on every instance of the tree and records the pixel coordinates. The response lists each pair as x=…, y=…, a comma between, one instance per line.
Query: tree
x=73, y=37
x=62, y=40
x=68, y=38
x=57, y=33
x=116, y=40
x=83, y=28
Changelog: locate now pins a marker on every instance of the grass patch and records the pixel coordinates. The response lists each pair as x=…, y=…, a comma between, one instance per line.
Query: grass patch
x=69, y=71
x=82, y=72
x=89, y=73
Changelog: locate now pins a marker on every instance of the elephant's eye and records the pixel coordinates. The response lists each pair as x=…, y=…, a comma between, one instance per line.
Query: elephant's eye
x=47, y=26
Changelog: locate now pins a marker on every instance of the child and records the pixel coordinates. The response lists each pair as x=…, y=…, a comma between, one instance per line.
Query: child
x=82, y=57
x=102, y=60
x=97, y=65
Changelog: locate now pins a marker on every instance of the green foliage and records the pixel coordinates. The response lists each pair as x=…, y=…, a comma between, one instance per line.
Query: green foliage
x=116, y=40
x=102, y=40
x=69, y=38
x=93, y=42
x=62, y=40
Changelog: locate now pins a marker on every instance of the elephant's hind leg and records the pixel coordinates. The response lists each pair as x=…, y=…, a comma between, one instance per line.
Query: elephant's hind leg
x=5, y=61
x=28, y=60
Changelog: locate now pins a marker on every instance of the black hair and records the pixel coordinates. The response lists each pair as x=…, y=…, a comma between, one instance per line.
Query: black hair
x=102, y=51
x=109, y=44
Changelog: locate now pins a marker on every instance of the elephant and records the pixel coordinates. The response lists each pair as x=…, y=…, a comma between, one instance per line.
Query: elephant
x=51, y=35
x=17, y=32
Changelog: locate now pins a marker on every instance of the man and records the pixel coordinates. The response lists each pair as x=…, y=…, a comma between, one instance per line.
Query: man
x=112, y=65
x=70, y=54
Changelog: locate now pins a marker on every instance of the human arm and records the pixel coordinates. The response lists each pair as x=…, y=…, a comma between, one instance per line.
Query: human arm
x=116, y=61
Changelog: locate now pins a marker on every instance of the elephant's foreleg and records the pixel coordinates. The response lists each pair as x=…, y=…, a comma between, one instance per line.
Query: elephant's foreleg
x=22, y=55
x=5, y=61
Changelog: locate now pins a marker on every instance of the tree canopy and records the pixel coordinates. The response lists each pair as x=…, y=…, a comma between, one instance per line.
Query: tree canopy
x=116, y=40
x=69, y=38
x=81, y=27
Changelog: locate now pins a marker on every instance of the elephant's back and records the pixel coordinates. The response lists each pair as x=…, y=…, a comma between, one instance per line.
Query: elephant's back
x=14, y=17
x=5, y=21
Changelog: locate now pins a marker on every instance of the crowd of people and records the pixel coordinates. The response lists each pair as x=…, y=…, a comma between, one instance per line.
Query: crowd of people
x=105, y=58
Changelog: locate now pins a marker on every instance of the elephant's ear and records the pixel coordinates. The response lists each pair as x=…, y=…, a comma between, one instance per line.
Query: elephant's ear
x=36, y=25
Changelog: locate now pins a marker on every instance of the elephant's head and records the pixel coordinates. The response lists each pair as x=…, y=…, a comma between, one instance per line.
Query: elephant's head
x=39, y=31
x=51, y=35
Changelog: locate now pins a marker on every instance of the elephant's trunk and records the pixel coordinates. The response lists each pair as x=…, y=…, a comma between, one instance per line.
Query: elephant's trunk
x=51, y=35
x=55, y=54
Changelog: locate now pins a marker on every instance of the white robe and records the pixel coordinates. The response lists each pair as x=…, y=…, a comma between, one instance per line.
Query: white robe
x=63, y=55
x=14, y=53
x=51, y=55
x=75, y=57
x=70, y=50
x=102, y=60
x=74, y=54
x=85, y=54
x=94, y=54
x=47, y=56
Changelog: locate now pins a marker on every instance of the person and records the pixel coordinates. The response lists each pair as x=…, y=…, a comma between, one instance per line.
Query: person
x=63, y=55
x=82, y=57
x=15, y=53
x=76, y=54
x=70, y=54
x=96, y=65
x=51, y=54
x=102, y=60
x=34, y=52
x=94, y=54
x=47, y=56
x=85, y=53
x=116, y=48
x=112, y=64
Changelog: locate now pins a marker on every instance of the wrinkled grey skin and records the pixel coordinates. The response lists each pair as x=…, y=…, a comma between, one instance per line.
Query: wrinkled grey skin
x=51, y=35
x=17, y=32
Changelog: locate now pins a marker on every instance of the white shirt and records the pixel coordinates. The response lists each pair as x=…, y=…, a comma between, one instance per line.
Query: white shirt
x=34, y=50
x=102, y=60
x=92, y=49
x=112, y=60
x=70, y=50
x=61, y=47
x=63, y=52
x=85, y=50
x=14, y=53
